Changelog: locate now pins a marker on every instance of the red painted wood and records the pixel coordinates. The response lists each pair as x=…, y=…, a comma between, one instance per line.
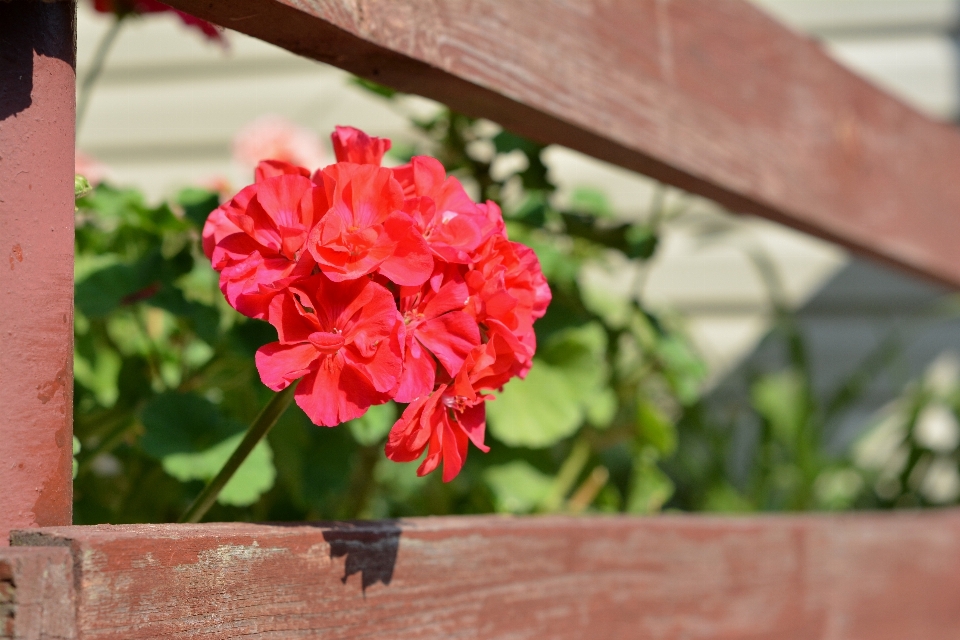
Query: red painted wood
x=865, y=576
x=37, y=83
x=714, y=97
x=36, y=594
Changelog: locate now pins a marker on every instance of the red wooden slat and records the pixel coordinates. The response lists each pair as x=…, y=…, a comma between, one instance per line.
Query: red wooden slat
x=36, y=594
x=37, y=83
x=856, y=576
x=714, y=97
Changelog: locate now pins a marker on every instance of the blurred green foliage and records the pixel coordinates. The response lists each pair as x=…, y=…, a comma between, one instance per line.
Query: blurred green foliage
x=611, y=418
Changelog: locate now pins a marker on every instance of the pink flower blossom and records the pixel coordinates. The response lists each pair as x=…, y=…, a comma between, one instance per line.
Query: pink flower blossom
x=273, y=137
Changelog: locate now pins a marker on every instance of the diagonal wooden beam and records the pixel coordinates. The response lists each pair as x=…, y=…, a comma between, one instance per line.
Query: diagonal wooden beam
x=712, y=96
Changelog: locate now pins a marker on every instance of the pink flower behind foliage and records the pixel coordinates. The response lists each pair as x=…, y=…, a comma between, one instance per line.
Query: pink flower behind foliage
x=382, y=284
x=89, y=167
x=274, y=137
x=342, y=339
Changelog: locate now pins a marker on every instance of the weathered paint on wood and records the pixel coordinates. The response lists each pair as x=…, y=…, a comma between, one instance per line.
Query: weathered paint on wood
x=854, y=576
x=37, y=83
x=714, y=97
x=36, y=594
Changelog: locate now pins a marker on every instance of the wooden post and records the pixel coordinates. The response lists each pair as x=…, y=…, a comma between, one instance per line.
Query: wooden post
x=37, y=104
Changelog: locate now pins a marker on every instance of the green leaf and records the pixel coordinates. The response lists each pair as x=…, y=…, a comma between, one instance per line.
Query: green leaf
x=99, y=375
x=81, y=186
x=104, y=290
x=650, y=488
x=182, y=423
x=642, y=242
x=76, y=450
x=205, y=319
x=724, y=498
x=505, y=142
x=535, y=412
x=591, y=201
x=373, y=426
x=373, y=87
x=517, y=486
x=197, y=204
x=780, y=398
x=655, y=428
x=254, y=477
x=553, y=401
x=683, y=369
x=602, y=407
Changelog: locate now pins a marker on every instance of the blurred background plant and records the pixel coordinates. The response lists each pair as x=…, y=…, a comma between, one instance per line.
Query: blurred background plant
x=615, y=416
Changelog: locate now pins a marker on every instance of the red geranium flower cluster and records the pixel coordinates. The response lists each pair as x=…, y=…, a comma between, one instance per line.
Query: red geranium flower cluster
x=382, y=284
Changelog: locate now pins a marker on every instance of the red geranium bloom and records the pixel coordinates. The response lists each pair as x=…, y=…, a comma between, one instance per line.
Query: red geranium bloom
x=491, y=365
x=445, y=422
x=126, y=7
x=342, y=338
x=444, y=425
x=436, y=327
x=507, y=287
x=365, y=230
x=452, y=223
x=381, y=284
x=353, y=145
x=273, y=217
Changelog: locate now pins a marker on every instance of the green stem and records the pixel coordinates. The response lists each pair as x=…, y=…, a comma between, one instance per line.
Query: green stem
x=96, y=68
x=257, y=431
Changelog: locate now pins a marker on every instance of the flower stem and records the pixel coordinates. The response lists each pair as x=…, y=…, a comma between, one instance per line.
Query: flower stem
x=96, y=68
x=257, y=431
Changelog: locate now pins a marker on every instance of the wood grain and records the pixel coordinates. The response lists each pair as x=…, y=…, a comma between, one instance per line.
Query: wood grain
x=37, y=83
x=36, y=594
x=838, y=577
x=713, y=97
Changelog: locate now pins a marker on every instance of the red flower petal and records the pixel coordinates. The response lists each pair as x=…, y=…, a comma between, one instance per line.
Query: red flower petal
x=279, y=365
x=273, y=168
x=353, y=145
x=411, y=263
x=450, y=337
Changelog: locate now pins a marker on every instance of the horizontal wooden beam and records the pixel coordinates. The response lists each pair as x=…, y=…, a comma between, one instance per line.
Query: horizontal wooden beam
x=852, y=576
x=714, y=97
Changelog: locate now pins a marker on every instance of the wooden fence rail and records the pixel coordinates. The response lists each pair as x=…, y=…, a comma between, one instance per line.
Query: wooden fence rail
x=871, y=577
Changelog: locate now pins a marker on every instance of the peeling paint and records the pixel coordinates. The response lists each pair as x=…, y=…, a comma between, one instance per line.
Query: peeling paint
x=230, y=557
x=15, y=253
x=47, y=390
